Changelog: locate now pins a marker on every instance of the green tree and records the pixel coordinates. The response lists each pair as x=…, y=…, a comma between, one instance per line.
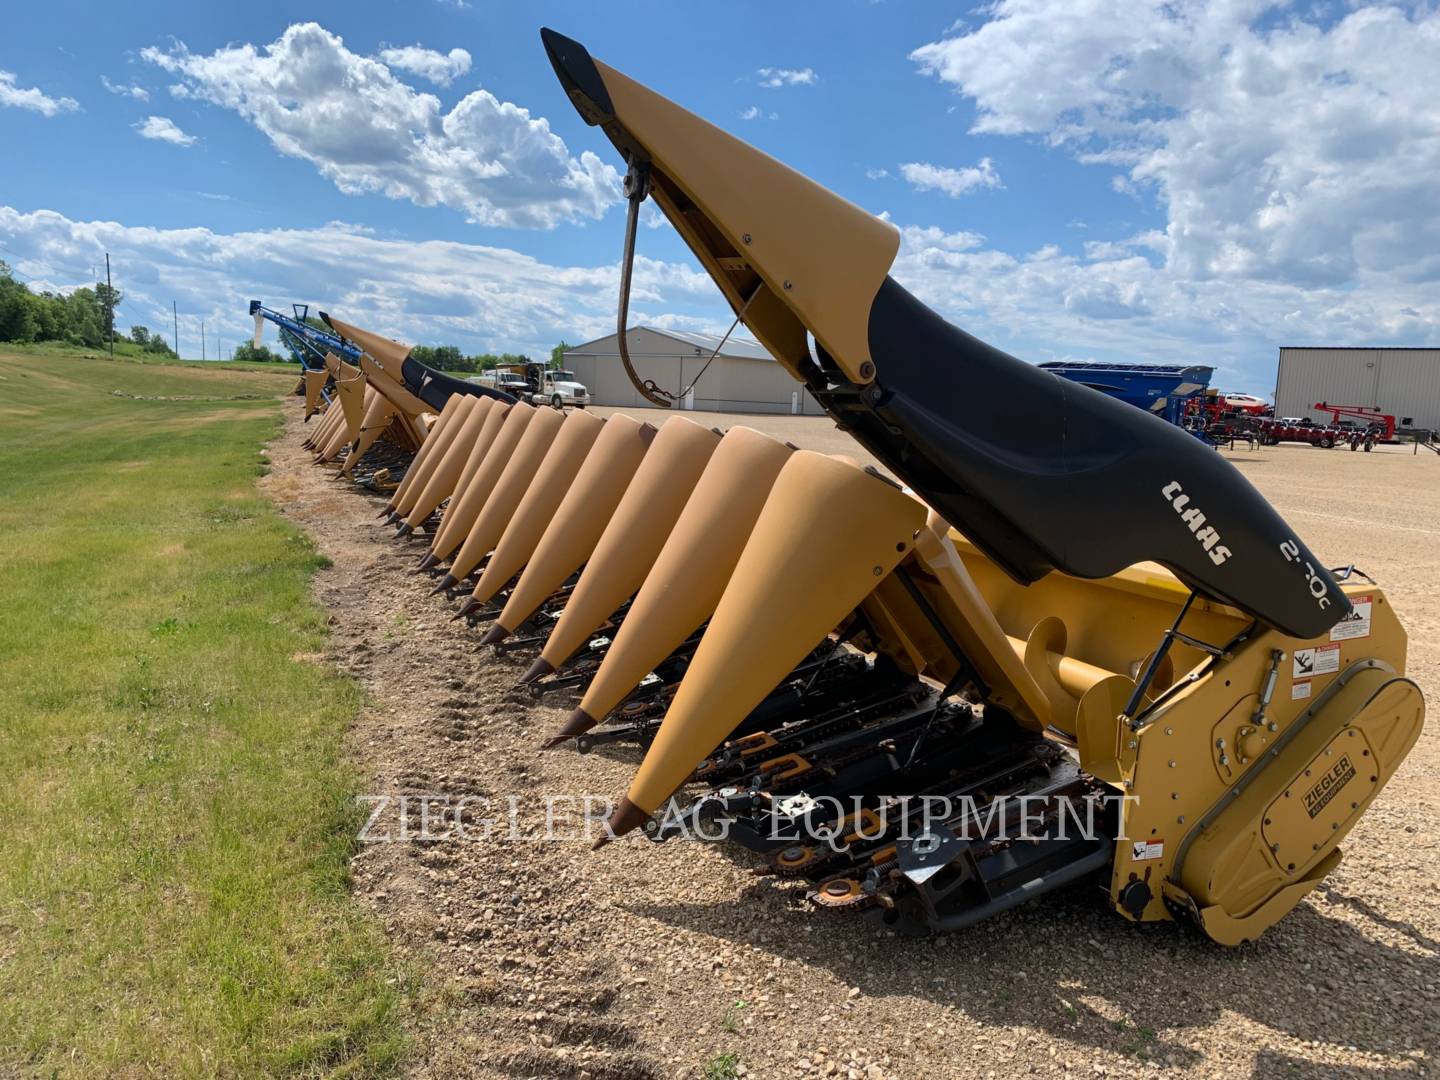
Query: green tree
x=442, y=357
x=557, y=355
x=257, y=354
x=108, y=298
x=84, y=319
x=140, y=335
x=49, y=312
x=18, y=315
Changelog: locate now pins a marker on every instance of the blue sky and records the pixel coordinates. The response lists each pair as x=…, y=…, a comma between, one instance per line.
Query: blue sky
x=1088, y=180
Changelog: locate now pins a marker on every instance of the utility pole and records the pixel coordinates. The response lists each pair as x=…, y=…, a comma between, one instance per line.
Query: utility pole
x=175, y=311
x=109, y=307
x=202, y=339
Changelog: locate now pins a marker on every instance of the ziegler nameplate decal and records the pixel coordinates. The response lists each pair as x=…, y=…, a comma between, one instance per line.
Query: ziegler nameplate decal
x=1329, y=785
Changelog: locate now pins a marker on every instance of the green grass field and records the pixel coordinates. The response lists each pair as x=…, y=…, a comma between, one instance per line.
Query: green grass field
x=126, y=350
x=177, y=812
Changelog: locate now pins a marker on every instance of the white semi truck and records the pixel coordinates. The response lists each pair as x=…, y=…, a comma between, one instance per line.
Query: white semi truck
x=538, y=385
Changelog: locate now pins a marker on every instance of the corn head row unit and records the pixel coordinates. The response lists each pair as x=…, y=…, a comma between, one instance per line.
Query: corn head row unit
x=1071, y=613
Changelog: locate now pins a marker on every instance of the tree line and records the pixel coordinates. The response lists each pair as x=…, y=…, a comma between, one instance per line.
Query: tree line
x=450, y=358
x=439, y=357
x=83, y=316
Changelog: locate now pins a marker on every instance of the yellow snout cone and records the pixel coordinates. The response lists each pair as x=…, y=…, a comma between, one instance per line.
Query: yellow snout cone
x=557, y=471
x=828, y=535
x=520, y=472
x=387, y=352
x=350, y=382
x=580, y=522
x=502, y=431
x=314, y=383
x=636, y=533
x=692, y=570
x=378, y=416
x=355, y=399
x=439, y=441
x=446, y=474
x=432, y=440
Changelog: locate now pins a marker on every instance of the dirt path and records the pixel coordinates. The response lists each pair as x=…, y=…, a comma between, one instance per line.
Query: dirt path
x=651, y=960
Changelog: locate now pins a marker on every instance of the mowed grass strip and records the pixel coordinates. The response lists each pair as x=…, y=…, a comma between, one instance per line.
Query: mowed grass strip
x=176, y=812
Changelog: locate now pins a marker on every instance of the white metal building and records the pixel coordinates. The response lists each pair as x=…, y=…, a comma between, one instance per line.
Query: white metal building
x=743, y=377
x=1401, y=381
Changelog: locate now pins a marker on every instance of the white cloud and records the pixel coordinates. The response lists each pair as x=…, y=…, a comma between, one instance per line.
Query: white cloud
x=876, y=174
x=754, y=112
x=32, y=98
x=162, y=129
x=771, y=78
x=367, y=131
x=139, y=93
x=480, y=297
x=1297, y=150
x=440, y=68
x=953, y=182
x=1110, y=303
x=1117, y=302
x=921, y=242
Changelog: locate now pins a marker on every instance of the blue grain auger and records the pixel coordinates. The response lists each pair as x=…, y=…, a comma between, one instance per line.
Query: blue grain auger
x=308, y=344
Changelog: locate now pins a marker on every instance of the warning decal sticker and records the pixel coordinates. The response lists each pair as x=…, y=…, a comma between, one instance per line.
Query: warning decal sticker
x=1354, y=625
x=1322, y=661
x=1300, y=690
x=1140, y=850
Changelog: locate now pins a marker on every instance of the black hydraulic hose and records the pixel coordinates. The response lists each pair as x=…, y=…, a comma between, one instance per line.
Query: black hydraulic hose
x=637, y=187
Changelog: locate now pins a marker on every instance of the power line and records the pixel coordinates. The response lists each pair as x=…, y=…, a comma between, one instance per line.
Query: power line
x=109, y=307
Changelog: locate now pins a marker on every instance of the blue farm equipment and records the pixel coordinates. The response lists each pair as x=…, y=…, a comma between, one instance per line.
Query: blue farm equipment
x=1161, y=389
x=307, y=343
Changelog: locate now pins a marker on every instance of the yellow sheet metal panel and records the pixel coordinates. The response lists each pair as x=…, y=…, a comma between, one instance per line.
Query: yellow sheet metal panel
x=354, y=398
x=542, y=498
x=432, y=439
x=581, y=519
x=393, y=389
x=828, y=533
x=451, y=461
x=362, y=404
x=691, y=572
x=502, y=430
x=314, y=383
x=636, y=533
x=378, y=417
x=519, y=473
x=825, y=257
x=387, y=352
x=1203, y=767
x=1291, y=816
